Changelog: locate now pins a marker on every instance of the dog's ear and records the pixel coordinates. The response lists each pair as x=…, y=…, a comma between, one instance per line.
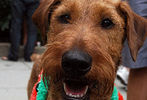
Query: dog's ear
x=136, y=28
x=41, y=16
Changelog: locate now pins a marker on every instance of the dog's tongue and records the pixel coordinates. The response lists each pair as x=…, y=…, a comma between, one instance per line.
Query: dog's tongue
x=77, y=93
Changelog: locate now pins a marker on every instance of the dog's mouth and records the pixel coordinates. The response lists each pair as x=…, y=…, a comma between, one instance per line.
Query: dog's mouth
x=75, y=89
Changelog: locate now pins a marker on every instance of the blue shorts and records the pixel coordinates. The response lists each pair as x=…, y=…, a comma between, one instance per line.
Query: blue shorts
x=141, y=60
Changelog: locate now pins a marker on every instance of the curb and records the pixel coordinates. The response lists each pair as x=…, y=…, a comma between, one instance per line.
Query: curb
x=4, y=49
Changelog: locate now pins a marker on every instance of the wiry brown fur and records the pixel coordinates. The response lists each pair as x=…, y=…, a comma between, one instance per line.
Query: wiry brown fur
x=84, y=32
x=34, y=77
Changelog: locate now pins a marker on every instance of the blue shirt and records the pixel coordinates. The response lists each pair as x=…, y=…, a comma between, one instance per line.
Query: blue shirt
x=139, y=7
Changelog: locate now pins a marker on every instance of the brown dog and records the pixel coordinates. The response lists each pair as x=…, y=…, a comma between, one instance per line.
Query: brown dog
x=85, y=40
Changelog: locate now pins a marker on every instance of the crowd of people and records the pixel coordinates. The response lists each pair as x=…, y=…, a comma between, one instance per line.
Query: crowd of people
x=21, y=9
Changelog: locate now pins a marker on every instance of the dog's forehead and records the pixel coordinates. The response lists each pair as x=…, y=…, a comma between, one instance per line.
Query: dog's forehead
x=85, y=5
x=89, y=8
x=88, y=2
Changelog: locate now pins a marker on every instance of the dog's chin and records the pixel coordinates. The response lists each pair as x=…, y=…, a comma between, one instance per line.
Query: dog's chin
x=75, y=90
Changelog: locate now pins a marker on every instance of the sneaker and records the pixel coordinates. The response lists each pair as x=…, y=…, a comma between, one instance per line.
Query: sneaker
x=122, y=75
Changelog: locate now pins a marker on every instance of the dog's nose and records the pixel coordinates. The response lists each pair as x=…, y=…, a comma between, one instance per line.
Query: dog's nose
x=76, y=62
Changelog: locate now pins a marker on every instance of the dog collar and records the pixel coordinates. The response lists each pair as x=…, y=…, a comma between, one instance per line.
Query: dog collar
x=40, y=90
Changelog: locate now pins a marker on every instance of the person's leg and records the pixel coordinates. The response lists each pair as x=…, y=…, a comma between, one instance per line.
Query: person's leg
x=32, y=31
x=15, y=31
x=137, y=84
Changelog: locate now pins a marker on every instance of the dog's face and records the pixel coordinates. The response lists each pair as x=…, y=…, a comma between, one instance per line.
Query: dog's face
x=85, y=40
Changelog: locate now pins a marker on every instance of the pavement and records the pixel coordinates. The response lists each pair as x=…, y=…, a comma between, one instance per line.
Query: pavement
x=14, y=77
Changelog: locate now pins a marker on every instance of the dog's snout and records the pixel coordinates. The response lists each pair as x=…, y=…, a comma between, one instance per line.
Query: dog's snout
x=76, y=62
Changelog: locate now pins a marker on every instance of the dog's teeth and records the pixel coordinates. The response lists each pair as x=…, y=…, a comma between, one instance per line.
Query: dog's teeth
x=86, y=90
x=70, y=95
x=81, y=95
x=75, y=96
x=78, y=96
x=67, y=94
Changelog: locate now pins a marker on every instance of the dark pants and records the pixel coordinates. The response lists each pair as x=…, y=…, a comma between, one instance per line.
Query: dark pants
x=21, y=8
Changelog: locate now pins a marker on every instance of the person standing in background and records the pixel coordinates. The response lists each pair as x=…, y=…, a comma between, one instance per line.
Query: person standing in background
x=19, y=9
x=137, y=83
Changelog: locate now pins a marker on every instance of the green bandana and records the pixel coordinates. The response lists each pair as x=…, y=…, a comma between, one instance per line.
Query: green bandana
x=42, y=90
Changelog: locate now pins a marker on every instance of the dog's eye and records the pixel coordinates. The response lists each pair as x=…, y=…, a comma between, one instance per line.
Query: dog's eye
x=107, y=23
x=64, y=18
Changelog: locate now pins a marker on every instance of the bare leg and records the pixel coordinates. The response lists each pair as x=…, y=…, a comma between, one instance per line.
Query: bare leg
x=137, y=84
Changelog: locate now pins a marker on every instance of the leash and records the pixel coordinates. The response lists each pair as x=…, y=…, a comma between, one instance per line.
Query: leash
x=40, y=92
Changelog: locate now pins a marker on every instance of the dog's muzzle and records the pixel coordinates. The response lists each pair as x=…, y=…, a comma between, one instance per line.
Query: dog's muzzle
x=76, y=63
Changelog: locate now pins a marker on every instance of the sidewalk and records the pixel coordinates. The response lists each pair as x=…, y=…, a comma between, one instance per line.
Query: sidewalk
x=13, y=79
x=4, y=49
